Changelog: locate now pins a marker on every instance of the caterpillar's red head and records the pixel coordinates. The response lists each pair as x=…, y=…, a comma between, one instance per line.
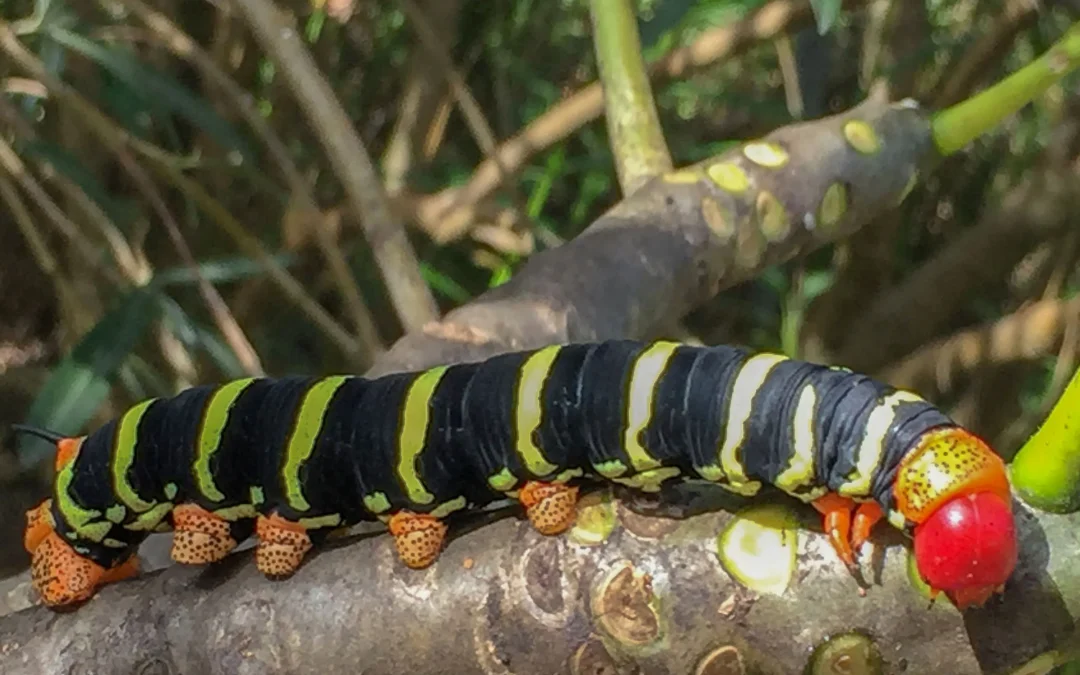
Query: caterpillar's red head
x=956, y=491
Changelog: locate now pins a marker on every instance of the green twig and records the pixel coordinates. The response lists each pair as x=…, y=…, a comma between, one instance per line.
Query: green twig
x=1046, y=470
x=636, y=137
x=958, y=125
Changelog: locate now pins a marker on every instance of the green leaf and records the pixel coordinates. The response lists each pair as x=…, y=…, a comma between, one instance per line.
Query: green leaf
x=444, y=284
x=221, y=270
x=79, y=384
x=553, y=169
x=667, y=16
x=198, y=337
x=1070, y=668
x=1046, y=471
x=157, y=88
x=69, y=166
x=501, y=276
x=220, y=353
x=826, y=12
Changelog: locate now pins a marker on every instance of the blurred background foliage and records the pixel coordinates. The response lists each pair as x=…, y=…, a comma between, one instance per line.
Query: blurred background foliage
x=155, y=168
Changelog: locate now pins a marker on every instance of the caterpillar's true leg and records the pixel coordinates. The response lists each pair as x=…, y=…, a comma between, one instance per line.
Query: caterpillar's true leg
x=419, y=537
x=551, y=507
x=866, y=517
x=837, y=511
x=200, y=537
x=282, y=545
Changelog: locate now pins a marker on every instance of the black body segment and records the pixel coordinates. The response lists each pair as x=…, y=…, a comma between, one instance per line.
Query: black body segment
x=331, y=451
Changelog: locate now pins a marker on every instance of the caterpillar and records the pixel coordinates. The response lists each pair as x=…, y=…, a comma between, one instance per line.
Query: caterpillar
x=292, y=460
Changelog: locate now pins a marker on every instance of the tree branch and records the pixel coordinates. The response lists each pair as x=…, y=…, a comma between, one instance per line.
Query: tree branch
x=445, y=216
x=1033, y=332
x=397, y=261
x=682, y=237
x=917, y=309
x=507, y=600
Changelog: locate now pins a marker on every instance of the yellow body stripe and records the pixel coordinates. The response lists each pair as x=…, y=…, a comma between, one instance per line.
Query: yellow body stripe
x=377, y=503
x=318, y=522
x=238, y=512
x=647, y=371
x=651, y=480
x=568, y=475
x=116, y=513
x=79, y=519
x=611, y=468
x=213, y=424
x=896, y=519
x=127, y=437
x=94, y=531
x=446, y=508
x=150, y=519
x=503, y=480
x=740, y=404
x=414, y=427
x=800, y=470
x=710, y=472
x=872, y=447
x=529, y=409
x=305, y=431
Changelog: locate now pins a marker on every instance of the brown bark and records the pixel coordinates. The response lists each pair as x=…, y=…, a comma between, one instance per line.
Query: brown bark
x=671, y=245
x=504, y=599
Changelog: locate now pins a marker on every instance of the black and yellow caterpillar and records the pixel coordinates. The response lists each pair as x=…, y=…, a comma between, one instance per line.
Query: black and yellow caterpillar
x=296, y=458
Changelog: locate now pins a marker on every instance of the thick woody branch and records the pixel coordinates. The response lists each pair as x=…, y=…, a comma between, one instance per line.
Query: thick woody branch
x=682, y=237
x=640, y=592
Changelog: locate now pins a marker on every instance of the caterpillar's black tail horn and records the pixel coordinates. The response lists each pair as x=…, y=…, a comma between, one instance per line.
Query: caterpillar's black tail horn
x=45, y=434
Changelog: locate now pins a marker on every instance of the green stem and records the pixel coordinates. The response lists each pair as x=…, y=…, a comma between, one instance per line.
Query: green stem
x=1046, y=470
x=957, y=126
x=636, y=137
x=1070, y=668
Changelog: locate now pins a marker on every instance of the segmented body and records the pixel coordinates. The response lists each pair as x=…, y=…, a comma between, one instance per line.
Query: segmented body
x=332, y=451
